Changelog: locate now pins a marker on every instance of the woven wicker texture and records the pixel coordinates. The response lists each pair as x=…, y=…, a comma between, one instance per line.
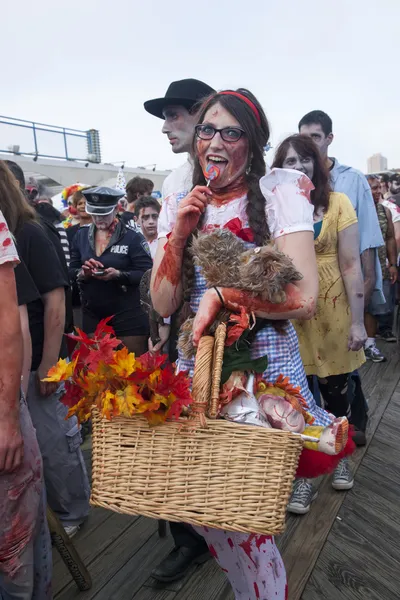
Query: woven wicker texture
x=199, y=471
x=228, y=476
x=218, y=358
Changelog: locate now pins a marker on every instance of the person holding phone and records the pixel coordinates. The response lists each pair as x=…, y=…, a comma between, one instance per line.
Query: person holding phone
x=108, y=261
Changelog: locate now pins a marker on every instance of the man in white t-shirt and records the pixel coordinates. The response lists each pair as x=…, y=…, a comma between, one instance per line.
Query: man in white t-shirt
x=179, y=109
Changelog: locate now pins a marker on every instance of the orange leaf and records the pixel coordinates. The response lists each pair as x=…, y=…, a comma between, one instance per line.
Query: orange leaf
x=61, y=371
x=124, y=362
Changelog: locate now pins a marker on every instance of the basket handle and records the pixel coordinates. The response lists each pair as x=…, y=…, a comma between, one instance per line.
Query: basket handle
x=218, y=357
x=202, y=377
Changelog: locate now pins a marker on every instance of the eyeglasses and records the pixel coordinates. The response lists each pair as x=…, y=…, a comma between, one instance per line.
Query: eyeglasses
x=228, y=134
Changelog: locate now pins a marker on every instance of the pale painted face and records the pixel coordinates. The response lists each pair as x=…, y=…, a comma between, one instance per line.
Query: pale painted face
x=231, y=158
x=315, y=132
x=148, y=221
x=104, y=222
x=179, y=127
x=293, y=160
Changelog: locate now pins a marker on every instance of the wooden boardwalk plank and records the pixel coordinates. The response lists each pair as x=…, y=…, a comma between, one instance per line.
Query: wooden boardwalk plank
x=127, y=582
x=366, y=559
x=92, y=544
x=361, y=557
x=112, y=559
x=302, y=546
x=344, y=580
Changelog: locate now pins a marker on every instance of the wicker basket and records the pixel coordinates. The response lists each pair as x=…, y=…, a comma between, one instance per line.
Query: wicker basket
x=223, y=475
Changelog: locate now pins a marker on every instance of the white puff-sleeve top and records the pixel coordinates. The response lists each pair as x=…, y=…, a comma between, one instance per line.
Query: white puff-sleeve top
x=287, y=207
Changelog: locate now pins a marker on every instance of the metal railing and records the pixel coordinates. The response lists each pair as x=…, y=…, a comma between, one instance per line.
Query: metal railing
x=18, y=136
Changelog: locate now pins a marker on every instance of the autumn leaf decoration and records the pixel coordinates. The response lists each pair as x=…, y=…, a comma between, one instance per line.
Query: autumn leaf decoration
x=117, y=382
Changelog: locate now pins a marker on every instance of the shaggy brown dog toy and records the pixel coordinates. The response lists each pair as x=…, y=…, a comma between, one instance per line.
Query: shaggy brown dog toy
x=225, y=262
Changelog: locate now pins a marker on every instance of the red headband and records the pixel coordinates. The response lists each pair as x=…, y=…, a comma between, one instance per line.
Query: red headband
x=245, y=99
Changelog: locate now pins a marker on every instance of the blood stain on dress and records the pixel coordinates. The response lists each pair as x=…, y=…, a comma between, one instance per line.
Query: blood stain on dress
x=246, y=546
x=256, y=590
x=262, y=539
x=230, y=542
x=212, y=551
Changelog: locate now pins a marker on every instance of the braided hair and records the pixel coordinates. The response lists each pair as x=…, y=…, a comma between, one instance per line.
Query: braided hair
x=257, y=134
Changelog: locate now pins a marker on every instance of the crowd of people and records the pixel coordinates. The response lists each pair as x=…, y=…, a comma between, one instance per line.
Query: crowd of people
x=58, y=271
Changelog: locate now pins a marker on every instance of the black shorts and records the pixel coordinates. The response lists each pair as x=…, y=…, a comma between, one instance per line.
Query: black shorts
x=127, y=322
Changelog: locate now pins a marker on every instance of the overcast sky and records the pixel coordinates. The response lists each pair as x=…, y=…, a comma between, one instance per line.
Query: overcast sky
x=92, y=63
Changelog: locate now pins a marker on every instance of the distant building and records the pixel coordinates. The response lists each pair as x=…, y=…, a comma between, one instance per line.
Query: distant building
x=377, y=163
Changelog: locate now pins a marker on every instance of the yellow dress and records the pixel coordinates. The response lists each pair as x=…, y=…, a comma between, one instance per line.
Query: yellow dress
x=323, y=339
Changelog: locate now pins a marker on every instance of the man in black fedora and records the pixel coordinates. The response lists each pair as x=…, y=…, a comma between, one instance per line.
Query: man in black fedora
x=179, y=109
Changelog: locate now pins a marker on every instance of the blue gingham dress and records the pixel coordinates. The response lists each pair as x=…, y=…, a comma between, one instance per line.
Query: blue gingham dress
x=287, y=211
x=282, y=350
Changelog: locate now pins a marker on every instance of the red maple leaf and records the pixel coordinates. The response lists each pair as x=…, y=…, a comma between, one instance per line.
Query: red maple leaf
x=81, y=337
x=241, y=323
x=103, y=328
x=73, y=393
x=151, y=362
x=103, y=352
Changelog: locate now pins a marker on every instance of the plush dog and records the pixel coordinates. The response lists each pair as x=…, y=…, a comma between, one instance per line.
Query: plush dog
x=225, y=262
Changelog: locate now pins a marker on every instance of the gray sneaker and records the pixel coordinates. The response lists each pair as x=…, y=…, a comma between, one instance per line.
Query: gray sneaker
x=373, y=353
x=342, y=476
x=302, y=496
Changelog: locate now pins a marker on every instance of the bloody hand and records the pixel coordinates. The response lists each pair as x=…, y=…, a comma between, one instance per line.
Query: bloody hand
x=190, y=210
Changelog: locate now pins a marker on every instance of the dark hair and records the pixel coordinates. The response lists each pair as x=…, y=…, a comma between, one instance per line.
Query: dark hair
x=307, y=148
x=149, y=184
x=373, y=177
x=13, y=203
x=17, y=172
x=317, y=117
x=394, y=177
x=146, y=202
x=258, y=136
x=385, y=178
x=135, y=188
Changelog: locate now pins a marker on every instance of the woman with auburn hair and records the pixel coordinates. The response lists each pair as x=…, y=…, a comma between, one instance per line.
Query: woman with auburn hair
x=331, y=342
x=230, y=137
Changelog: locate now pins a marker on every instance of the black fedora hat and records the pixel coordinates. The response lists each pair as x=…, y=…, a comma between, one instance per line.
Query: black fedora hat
x=186, y=92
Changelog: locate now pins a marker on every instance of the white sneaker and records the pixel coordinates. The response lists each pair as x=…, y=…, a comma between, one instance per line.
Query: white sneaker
x=71, y=530
x=342, y=476
x=302, y=496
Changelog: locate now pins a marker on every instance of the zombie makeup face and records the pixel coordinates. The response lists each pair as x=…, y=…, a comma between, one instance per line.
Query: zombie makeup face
x=315, y=132
x=293, y=160
x=148, y=221
x=231, y=157
x=104, y=222
x=179, y=127
x=375, y=186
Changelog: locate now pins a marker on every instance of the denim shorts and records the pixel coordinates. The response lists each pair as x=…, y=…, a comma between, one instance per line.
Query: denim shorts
x=386, y=308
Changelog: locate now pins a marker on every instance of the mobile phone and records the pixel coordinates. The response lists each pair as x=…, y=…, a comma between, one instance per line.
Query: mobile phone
x=99, y=272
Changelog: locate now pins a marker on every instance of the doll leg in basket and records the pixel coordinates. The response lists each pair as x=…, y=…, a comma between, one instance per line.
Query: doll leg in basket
x=251, y=562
